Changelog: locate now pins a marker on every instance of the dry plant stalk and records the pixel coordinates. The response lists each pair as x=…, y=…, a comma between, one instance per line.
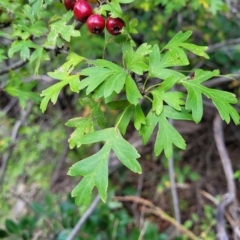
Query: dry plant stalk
x=151, y=208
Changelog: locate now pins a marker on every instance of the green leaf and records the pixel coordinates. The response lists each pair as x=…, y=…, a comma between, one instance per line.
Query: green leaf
x=194, y=102
x=132, y=26
x=94, y=170
x=160, y=95
x=167, y=136
x=11, y=226
x=61, y=28
x=168, y=83
x=170, y=112
x=106, y=64
x=164, y=73
x=38, y=56
x=38, y=208
x=179, y=38
x=96, y=75
x=132, y=91
x=52, y=92
x=73, y=60
x=114, y=8
x=216, y=5
x=198, y=50
x=157, y=105
x=221, y=99
x=174, y=57
x=105, y=79
x=130, y=111
x=83, y=191
x=147, y=129
x=23, y=47
x=99, y=92
x=125, y=152
x=62, y=73
x=174, y=99
x=36, y=28
x=115, y=83
x=23, y=91
x=138, y=117
x=136, y=61
x=201, y=75
x=96, y=111
x=118, y=105
x=83, y=126
x=154, y=61
x=97, y=136
x=36, y=6
x=125, y=118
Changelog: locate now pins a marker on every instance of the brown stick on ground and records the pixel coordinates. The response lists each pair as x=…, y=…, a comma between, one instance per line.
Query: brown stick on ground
x=151, y=208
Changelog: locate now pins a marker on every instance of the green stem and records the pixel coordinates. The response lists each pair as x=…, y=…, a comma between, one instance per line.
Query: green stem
x=148, y=98
x=119, y=120
x=144, y=85
x=153, y=86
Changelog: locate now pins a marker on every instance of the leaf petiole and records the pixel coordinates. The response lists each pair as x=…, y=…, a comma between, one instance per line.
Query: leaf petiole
x=119, y=120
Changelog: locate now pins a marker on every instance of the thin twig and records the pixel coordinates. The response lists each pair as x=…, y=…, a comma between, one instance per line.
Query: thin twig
x=221, y=80
x=214, y=47
x=14, y=66
x=227, y=167
x=158, y=212
x=221, y=231
x=43, y=78
x=14, y=134
x=174, y=190
x=173, y=185
x=10, y=105
x=220, y=210
x=226, y=162
x=84, y=217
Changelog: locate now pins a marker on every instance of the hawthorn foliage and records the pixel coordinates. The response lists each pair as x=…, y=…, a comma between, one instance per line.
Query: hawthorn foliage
x=146, y=74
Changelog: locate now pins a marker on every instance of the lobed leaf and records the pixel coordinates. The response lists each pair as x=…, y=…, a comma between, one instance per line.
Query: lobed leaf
x=96, y=111
x=52, y=92
x=221, y=99
x=179, y=38
x=174, y=57
x=167, y=136
x=154, y=61
x=132, y=91
x=94, y=170
x=125, y=152
x=83, y=126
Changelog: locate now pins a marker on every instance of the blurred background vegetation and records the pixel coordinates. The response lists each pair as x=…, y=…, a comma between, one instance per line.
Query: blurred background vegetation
x=35, y=200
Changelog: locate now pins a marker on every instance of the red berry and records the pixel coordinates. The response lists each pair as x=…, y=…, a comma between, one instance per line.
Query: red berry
x=114, y=25
x=69, y=4
x=96, y=23
x=82, y=10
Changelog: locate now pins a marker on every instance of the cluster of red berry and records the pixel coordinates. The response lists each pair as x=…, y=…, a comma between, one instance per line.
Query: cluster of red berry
x=95, y=23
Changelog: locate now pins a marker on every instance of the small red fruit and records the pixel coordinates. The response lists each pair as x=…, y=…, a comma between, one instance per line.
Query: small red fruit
x=82, y=10
x=95, y=23
x=69, y=4
x=114, y=25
